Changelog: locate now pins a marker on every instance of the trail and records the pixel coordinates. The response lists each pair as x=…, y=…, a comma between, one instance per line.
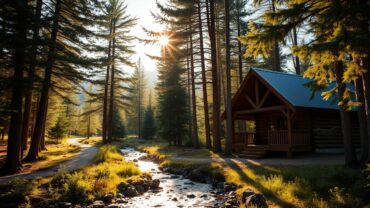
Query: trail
x=82, y=159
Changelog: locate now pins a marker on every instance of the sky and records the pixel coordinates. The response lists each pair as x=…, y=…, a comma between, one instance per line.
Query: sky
x=142, y=10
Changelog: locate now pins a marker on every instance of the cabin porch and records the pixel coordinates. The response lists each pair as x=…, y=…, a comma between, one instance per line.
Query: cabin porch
x=271, y=131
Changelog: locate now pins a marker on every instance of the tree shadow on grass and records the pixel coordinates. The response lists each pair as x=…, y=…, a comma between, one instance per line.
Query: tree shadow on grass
x=268, y=193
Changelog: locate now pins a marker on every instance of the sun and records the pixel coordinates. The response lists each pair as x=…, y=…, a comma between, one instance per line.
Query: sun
x=163, y=40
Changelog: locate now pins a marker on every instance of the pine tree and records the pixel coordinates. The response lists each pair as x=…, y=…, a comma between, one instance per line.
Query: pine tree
x=135, y=100
x=118, y=128
x=13, y=159
x=149, y=125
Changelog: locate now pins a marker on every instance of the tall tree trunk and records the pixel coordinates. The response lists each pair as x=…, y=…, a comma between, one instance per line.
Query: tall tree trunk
x=111, y=102
x=88, y=125
x=297, y=64
x=276, y=49
x=240, y=53
x=364, y=141
x=366, y=88
x=42, y=108
x=13, y=161
x=189, y=88
x=204, y=79
x=3, y=133
x=42, y=146
x=193, y=95
x=229, y=130
x=350, y=154
x=139, y=105
x=31, y=74
x=216, y=125
x=106, y=86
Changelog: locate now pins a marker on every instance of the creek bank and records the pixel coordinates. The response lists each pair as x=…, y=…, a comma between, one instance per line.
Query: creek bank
x=213, y=176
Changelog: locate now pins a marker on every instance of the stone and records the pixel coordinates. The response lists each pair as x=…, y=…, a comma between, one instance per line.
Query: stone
x=191, y=196
x=256, y=200
x=175, y=199
x=114, y=206
x=135, y=160
x=130, y=191
x=175, y=176
x=121, y=201
x=220, y=185
x=122, y=187
x=140, y=188
x=196, y=175
x=229, y=187
x=155, y=184
x=65, y=205
x=246, y=193
x=108, y=198
x=98, y=204
x=119, y=195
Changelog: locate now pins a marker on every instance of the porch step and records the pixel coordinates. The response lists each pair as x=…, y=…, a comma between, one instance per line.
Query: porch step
x=255, y=152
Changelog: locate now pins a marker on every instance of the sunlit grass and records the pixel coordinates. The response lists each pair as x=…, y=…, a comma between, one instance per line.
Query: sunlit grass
x=109, y=170
x=304, y=186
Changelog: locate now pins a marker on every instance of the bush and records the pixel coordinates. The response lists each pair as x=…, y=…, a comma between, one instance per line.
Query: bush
x=16, y=191
x=77, y=189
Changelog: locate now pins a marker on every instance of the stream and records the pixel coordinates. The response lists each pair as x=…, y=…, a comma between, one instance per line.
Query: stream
x=175, y=190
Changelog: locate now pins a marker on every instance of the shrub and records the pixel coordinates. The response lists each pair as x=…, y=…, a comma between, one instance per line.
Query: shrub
x=77, y=189
x=17, y=190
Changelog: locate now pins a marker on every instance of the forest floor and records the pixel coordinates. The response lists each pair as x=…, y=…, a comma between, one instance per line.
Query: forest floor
x=73, y=156
x=313, y=180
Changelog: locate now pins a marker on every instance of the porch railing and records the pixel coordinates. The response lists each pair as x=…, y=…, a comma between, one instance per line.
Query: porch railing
x=280, y=137
x=244, y=138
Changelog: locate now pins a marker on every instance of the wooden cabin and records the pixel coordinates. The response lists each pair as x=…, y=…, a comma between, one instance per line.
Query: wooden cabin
x=283, y=116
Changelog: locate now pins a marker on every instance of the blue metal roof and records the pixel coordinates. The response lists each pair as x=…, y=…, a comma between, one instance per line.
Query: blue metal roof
x=292, y=88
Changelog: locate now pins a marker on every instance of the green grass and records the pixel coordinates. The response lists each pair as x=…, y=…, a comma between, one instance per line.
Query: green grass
x=284, y=186
x=85, y=185
x=305, y=186
x=109, y=170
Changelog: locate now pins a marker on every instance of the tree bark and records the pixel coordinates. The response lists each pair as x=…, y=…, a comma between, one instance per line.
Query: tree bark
x=13, y=161
x=240, y=53
x=350, y=154
x=364, y=141
x=188, y=88
x=276, y=49
x=111, y=102
x=31, y=74
x=106, y=86
x=204, y=80
x=297, y=64
x=193, y=95
x=366, y=87
x=228, y=81
x=216, y=126
x=33, y=152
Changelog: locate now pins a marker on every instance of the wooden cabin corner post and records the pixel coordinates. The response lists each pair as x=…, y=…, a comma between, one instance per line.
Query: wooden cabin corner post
x=289, y=125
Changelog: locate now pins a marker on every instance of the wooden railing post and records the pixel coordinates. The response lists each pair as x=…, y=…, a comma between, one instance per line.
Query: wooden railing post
x=289, y=125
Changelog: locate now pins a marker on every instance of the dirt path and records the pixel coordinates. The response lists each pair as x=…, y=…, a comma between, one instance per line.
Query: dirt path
x=84, y=158
x=307, y=160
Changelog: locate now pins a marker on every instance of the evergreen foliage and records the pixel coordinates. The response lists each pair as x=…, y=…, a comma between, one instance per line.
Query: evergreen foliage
x=59, y=130
x=149, y=125
x=118, y=128
x=172, y=120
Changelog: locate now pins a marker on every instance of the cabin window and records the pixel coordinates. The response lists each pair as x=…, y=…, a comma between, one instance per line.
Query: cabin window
x=278, y=124
x=248, y=126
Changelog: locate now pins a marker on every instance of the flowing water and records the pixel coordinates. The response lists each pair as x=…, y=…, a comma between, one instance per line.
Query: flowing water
x=175, y=191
